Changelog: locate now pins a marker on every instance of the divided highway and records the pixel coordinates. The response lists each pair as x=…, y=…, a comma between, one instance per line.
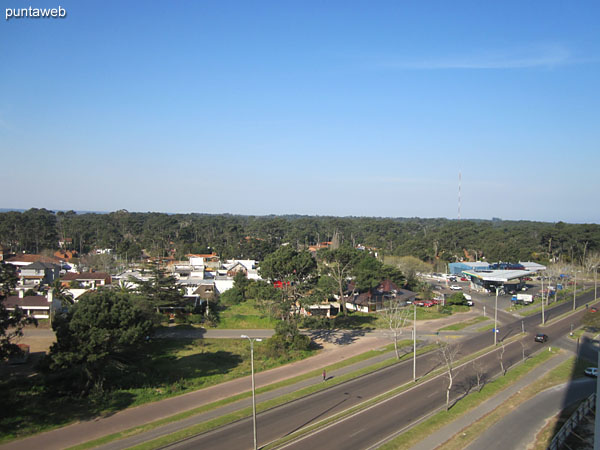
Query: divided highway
x=368, y=428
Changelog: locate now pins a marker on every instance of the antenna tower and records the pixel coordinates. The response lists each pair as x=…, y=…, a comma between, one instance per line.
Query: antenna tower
x=459, y=182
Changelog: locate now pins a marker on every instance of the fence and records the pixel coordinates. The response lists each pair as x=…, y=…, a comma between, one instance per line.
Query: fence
x=586, y=406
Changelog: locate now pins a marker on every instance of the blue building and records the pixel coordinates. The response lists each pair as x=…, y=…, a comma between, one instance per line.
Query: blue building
x=457, y=268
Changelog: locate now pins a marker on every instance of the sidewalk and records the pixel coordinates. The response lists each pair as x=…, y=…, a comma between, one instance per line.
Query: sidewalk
x=338, y=346
x=440, y=436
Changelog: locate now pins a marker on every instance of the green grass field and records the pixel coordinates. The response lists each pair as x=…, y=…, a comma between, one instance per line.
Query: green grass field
x=245, y=316
x=465, y=324
x=171, y=367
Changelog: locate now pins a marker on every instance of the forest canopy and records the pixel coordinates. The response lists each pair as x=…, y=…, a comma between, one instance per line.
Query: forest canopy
x=254, y=237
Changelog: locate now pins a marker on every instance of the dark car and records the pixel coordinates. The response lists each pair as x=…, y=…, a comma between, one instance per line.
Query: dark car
x=540, y=337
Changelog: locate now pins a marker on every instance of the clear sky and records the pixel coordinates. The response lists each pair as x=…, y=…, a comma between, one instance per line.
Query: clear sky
x=367, y=108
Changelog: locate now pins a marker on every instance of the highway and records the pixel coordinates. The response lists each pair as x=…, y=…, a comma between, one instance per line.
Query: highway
x=370, y=427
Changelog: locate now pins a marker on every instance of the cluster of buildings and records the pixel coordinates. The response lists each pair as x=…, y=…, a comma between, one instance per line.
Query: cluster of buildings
x=203, y=277
x=36, y=273
x=486, y=276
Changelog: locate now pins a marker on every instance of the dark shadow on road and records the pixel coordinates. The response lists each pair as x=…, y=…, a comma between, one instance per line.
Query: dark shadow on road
x=320, y=415
x=338, y=337
x=586, y=351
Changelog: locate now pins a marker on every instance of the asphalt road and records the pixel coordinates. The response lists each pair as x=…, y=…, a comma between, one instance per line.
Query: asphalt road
x=381, y=421
x=525, y=422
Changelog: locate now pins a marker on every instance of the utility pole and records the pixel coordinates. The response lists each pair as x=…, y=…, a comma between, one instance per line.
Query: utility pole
x=574, y=290
x=253, y=390
x=543, y=317
x=415, y=343
x=496, y=318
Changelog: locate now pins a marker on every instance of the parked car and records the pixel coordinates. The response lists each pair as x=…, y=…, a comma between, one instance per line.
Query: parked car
x=455, y=287
x=464, y=279
x=540, y=337
x=470, y=303
x=419, y=302
x=428, y=304
x=591, y=371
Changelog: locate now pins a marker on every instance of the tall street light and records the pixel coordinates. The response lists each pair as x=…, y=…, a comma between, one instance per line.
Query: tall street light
x=496, y=318
x=415, y=342
x=253, y=390
x=574, y=290
x=543, y=317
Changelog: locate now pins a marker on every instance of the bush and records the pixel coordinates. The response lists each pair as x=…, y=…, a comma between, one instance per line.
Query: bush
x=195, y=318
x=317, y=323
x=445, y=310
x=233, y=296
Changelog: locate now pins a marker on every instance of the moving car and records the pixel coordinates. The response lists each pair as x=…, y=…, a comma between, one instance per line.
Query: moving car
x=456, y=287
x=540, y=337
x=591, y=371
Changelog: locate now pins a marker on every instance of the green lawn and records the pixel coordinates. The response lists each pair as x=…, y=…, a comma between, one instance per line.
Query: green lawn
x=465, y=324
x=171, y=367
x=245, y=316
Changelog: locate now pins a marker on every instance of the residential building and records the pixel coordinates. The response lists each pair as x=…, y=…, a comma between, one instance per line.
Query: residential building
x=39, y=273
x=38, y=306
x=90, y=280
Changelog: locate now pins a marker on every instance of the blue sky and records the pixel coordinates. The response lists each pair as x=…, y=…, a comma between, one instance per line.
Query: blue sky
x=304, y=107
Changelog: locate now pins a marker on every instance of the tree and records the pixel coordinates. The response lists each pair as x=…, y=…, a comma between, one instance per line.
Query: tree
x=339, y=264
x=447, y=355
x=297, y=272
x=61, y=293
x=592, y=263
x=411, y=266
x=96, y=339
x=479, y=373
x=11, y=322
x=161, y=289
x=501, y=359
x=395, y=317
x=456, y=299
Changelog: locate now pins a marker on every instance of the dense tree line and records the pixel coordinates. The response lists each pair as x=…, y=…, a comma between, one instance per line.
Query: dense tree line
x=254, y=237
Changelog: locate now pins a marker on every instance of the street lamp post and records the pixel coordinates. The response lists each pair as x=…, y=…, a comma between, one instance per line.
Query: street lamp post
x=543, y=317
x=415, y=342
x=574, y=290
x=253, y=390
x=496, y=318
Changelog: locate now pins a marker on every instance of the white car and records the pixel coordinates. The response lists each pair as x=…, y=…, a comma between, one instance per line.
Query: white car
x=591, y=371
x=456, y=287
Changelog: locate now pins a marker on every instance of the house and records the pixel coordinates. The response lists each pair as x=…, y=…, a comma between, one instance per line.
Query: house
x=329, y=309
x=208, y=260
x=39, y=273
x=25, y=259
x=90, y=280
x=65, y=242
x=206, y=292
x=313, y=249
x=378, y=298
x=65, y=255
x=248, y=266
x=38, y=306
x=235, y=269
